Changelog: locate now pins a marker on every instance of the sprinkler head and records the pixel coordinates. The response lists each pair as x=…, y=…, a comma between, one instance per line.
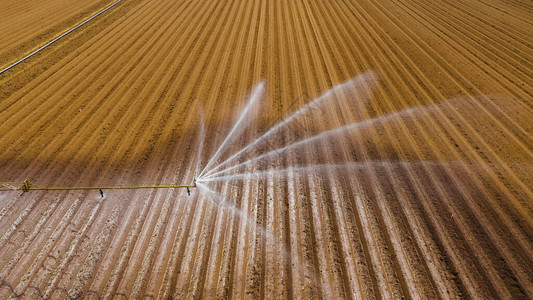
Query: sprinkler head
x=194, y=183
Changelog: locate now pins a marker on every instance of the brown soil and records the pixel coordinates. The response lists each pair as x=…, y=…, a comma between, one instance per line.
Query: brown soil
x=27, y=25
x=116, y=102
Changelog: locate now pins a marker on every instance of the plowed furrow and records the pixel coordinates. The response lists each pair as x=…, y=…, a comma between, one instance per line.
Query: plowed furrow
x=505, y=128
x=483, y=58
x=518, y=10
x=379, y=192
x=49, y=20
x=409, y=267
x=391, y=174
x=65, y=105
x=495, y=156
x=428, y=196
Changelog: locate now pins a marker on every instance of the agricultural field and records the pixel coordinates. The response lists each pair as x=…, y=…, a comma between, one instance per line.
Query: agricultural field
x=27, y=25
x=400, y=163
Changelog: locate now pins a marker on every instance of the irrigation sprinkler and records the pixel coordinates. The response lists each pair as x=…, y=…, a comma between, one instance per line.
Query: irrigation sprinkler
x=27, y=186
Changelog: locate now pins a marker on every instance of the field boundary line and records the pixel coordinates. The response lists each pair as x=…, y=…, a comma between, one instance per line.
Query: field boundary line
x=59, y=37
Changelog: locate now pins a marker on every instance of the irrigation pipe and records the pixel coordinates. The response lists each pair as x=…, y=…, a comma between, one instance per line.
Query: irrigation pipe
x=27, y=186
x=98, y=188
x=59, y=37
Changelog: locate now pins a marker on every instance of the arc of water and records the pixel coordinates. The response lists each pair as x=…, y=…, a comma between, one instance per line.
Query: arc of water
x=237, y=128
x=278, y=172
x=347, y=165
x=218, y=198
x=356, y=125
x=359, y=80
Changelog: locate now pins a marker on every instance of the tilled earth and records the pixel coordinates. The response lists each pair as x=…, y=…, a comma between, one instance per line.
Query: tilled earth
x=434, y=202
